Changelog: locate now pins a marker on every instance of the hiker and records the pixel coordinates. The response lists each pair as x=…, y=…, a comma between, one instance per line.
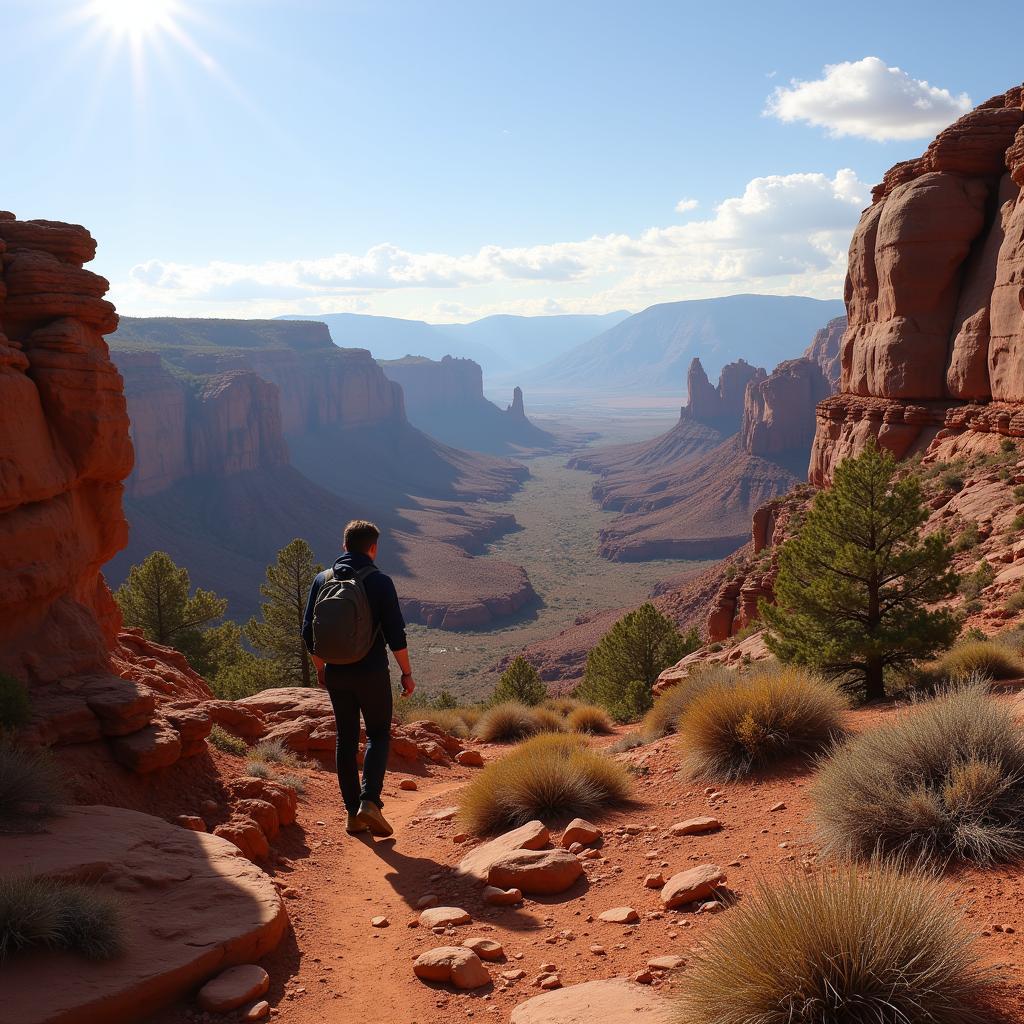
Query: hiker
x=351, y=614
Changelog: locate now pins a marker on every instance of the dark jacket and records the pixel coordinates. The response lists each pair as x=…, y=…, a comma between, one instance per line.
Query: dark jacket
x=383, y=598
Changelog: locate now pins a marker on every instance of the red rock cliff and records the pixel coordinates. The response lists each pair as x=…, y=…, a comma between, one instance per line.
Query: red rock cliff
x=935, y=340
x=778, y=411
x=719, y=407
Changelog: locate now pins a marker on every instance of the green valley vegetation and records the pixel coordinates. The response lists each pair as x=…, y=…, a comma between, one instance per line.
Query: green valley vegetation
x=520, y=682
x=628, y=659
x=855, y=584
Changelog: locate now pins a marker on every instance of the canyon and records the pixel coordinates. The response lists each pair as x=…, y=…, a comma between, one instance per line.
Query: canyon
x=250, y=433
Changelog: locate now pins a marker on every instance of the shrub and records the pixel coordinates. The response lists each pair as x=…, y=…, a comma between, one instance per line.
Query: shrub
x=591, y=719
x=975, y=582
x=14, y=708
x=274, y=752
x=627, y=661
x=952, y=481
x=1018, y=493
x=257, y=769
x=1018, y=523
x=944, y=780
x=39, y=912
x=226, y=743
x=1007, y=445
x=30, y=781
x=663, y=717
x=548, y=720
x=1015, y=602
x=520, y=682
x=987, y=658
x=630, y=741
x=563, y=706
x=546, y=777
x=293, y=781
x=969, y=538
x=875, y=946
x=506, y=723
x=728, y=731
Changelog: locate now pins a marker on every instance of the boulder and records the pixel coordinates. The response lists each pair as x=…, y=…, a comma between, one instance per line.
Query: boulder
x=191, y=906
x=610, y=1001
x=455, y=964
x=691, y=885
x=283, y=797
x=233, y=987
x=486, y=949
x=580, y=831
x=443, y=917
x=541, y=872
x=246, y=835
x=531, y=836
x=155, y=746
x=501, y=897
x=470, y=758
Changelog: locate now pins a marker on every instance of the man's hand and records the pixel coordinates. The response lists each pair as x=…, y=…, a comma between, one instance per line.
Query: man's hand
x=408, y=685
x=319, y=666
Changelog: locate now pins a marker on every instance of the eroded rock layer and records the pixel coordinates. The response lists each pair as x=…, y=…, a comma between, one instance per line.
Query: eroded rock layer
x=933, y=295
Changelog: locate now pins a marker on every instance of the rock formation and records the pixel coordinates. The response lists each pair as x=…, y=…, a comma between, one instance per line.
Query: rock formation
x=446, y=399
x=720, y=408
x=824, y=350
x=936, y=330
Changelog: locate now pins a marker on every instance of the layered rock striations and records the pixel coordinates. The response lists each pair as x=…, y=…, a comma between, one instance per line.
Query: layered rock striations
x=720, y=408
x=825, y=348
x=935, y=340
x=445, y=398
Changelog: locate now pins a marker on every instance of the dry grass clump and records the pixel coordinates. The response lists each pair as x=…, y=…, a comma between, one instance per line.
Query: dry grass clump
x=879, y=945
x=730, y=730
x=548, y=720
x=987, y=658
x=663, y=716
x=511, y=721
x=547, y=777
x=40, y=912
x=946, y=780
x=563, y=706
x=274, y=752
x=591, y=719
x=448, y=719
x=30, y=781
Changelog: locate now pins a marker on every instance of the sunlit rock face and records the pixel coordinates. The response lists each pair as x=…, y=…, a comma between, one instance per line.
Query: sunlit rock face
x=935, y=339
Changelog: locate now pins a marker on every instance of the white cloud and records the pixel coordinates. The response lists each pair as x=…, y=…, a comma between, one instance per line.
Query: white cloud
x=784, y=233
x=686, y=205
x=868, y=99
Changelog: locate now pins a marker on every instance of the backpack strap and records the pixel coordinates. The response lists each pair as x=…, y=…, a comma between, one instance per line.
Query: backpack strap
x=367, y=570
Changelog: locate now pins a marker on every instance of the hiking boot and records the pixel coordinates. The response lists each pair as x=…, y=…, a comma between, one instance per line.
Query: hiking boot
x=355, y=825
x=370, y=815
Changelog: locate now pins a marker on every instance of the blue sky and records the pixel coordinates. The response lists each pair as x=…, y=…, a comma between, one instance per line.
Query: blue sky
x=450, y=159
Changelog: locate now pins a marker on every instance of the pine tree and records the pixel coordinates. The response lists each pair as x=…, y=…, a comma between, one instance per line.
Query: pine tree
x=521, y=682
x=855, y=582
x=279, y=634
x=155, y=598
x=628, y=659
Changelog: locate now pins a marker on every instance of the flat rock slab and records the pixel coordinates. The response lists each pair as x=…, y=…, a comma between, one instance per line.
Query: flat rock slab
x=233, y=987
x=192, y=906
x=443, y=917
x=620, y=915
x=531, y=836
x=696, y=826
x=455, y=964
x=539, y=872
x=613, y=1001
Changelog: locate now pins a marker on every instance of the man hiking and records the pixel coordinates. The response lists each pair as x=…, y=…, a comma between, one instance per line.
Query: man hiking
x=351, y=614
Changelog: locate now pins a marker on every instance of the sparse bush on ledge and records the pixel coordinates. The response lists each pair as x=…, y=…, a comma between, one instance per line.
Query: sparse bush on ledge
x=547, y=777
x=42, y=913
x=730, y=730
x=30, y=782
x=226, y=742
x=878, y=945
x=945, y=780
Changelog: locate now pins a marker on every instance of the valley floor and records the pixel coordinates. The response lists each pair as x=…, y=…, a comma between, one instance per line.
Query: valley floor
x=558, y=545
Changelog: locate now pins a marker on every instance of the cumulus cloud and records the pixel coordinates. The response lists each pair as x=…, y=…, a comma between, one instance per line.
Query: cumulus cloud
x=784, y=233
x=686, y=205
x=867, y=98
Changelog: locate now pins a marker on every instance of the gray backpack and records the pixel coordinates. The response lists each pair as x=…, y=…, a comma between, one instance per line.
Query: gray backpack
x=343, y=626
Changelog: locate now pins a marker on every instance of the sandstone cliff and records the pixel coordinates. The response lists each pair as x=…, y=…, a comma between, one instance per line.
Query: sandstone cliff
x=445, y=398
x=720, y=408
x=935, y=340
x=824, y=350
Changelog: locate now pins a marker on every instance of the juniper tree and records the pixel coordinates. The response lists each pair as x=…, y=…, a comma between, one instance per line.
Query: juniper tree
x=278, y=633
x=521, y=682
x=855, y=583
x=628, y=659
x=155, y=598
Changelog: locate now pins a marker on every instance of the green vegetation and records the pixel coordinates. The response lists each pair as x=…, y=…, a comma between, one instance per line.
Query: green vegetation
x=14, y=707
x=727, y=731
x=968, y=538
x=944, y=780
x=226, y=743
x=952, y=481
x=663, y=716
x=520, y=682
x=980, y=659
x=975, y=582
x=31, y=784
x=628, y=659
x=873, y=946
x=42, y=913
x=854, y=583
x=278, y=634
x=1015, y=603
x=546, y=777
x=232, y=671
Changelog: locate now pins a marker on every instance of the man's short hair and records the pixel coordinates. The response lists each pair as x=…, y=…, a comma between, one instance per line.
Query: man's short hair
x=360, y=536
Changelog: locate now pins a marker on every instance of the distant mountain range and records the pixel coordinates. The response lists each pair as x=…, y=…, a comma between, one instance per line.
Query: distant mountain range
x=501, y=344
x=651, y=351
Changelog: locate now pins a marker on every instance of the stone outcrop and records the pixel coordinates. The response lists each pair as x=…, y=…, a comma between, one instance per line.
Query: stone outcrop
x=825, y=349
x=778, y=410
x=719, y=407
x=932, y=294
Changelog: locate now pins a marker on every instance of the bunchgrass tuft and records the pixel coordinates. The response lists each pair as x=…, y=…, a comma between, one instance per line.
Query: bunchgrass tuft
x=274, y=752
x=42, y=913
x=944, y=781
x=590, y=718
x=988, y=658
x=258, y=769
x=663, y=716
x=871, y=945
x=227, y=743
x=730, y=730
x=548, y=720
x=508, y=723
x=14, y=706
x=548, y=777
x=31, y=784
x=564, y=706
x=292, y=781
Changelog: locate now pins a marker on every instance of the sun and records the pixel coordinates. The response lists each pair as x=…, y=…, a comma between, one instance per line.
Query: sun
x=134, y=18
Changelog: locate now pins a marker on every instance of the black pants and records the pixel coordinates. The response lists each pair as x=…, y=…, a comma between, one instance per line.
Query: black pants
x=369, y=693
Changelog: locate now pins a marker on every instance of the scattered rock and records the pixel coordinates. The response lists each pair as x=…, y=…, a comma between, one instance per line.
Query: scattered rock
x=696, y=826
x=780, y=806
x=486, y=949
x=428, y=900
x=711, y=907
x=470, y=758
x=233, y=987
x=513, y=975
x=613, y=1001
x=443, y=917
x=408, y=784
x=654, y=881
x=580, y=831
x=643, y=977
x=550, y=981
x=455, y=964
x=501, y=897
x=247, y=836
x=380, y=922
x=692, y=885
x=258, y=1011
x=531, y=836
x=620, y=915
x=191, y=821
x=665, y=963
x=544, y=872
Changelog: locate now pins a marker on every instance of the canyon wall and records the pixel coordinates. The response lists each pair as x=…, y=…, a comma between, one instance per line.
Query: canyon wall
x=935, y=340
x=719, y=407
x=778, y=411
x=825, y=348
